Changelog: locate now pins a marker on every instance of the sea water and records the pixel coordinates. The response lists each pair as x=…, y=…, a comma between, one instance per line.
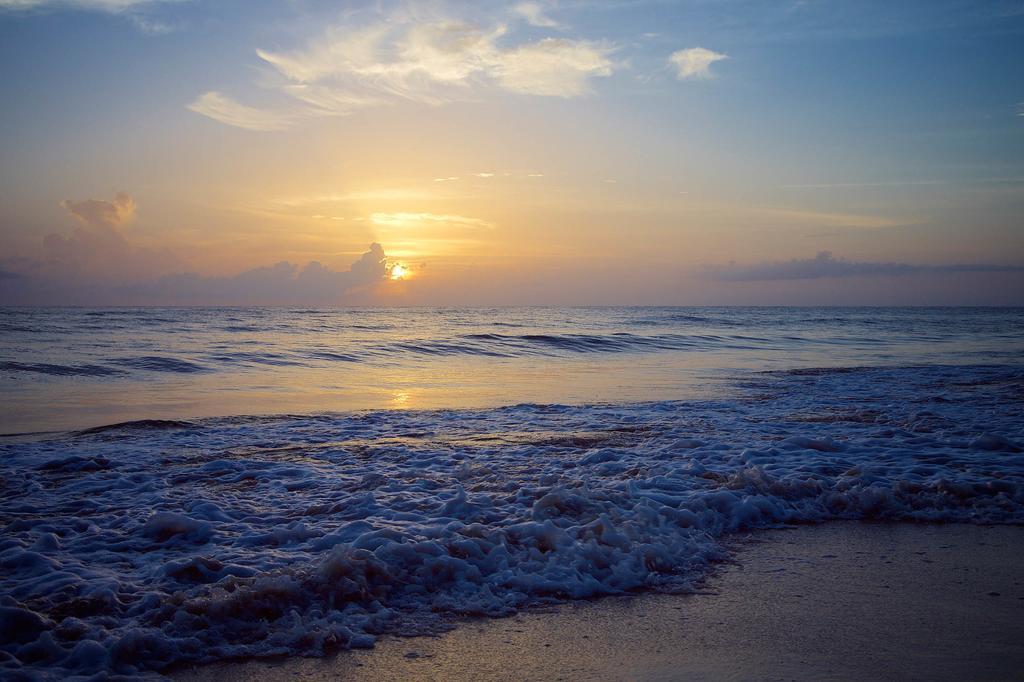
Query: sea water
x=77, y=368
x=191, y=485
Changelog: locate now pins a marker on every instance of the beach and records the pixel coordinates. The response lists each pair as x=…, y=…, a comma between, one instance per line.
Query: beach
x=836, y=601
x=152, y=545
x=516, y=340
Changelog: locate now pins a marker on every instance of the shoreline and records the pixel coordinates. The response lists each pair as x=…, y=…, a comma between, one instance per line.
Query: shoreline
x=301, y=535
x=839, y=600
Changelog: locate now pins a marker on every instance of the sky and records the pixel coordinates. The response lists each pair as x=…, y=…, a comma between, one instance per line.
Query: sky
x=613, y=152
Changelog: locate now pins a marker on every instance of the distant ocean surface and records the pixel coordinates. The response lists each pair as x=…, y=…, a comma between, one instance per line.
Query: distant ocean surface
x=77, y=368
x=182, y=486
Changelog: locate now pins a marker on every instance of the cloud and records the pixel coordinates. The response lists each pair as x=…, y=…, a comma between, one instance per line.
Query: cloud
x=847, y=185
x=98, y=264
x=96, y=253
x=280, y=284
x=826, y=266
x=61, y=282
x=100, y=213
x=533, y=14
x=821, y=219
x=101, y=5
x=395, y=219
x=695, y=62
x=226, y=110
x=553, y=67
x=351, y=68
x=97, y=248
x=137, y=12
x=391, y=194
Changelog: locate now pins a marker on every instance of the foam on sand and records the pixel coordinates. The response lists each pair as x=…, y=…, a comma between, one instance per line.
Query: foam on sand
x=130, y=549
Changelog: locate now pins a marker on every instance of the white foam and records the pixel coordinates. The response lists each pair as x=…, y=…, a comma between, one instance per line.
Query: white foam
x=131, y=550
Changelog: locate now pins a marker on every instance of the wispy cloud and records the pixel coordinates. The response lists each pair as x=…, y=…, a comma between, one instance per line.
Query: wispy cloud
x=410, y=218
x=391, y=194
x=799, y=217
x=825, y=266
x=351, y=68
x=842, y=185
x=137, y=12
x=103, y=5
x=535, y=15
x=695, y=62
x=553, y=67
x=226, y=110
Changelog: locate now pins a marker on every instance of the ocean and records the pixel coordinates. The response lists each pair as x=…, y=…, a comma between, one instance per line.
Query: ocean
x=193, y=485
x=78, y=368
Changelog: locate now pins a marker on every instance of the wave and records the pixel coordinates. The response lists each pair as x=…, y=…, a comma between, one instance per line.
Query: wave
x=227, y=356
x=136, y=342
x=616, y=342
x=88, y=370
x=175, y=542
x=137, y=425
x=160, y=363
x=333, y=356
x=267, y=358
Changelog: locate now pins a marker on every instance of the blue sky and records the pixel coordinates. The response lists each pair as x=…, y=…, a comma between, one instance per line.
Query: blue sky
x=529, y=152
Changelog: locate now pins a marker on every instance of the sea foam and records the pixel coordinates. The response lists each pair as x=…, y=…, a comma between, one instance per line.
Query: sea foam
x=132, y=548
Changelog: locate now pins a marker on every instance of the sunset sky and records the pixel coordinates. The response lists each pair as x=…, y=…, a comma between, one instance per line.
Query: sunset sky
x=431, y=153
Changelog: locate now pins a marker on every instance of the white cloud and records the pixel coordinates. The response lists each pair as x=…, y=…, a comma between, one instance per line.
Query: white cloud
x=447, y=52
x=151, y=27
x=409, y=218
x=347, y=69
x=372, y=195
x=554, y=67
x=226, y=110
x=534, y=15
x=695, y=62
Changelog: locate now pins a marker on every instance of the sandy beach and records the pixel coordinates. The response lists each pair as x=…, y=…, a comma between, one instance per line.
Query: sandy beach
x=836, y=601
x=511, y=340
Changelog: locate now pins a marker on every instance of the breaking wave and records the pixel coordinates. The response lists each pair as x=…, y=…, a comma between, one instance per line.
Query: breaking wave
x=136, y=546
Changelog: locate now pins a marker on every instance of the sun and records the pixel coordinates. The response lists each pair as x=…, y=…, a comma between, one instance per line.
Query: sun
x=399, y=271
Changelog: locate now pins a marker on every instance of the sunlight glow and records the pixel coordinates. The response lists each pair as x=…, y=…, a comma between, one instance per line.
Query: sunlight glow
x=399, y=271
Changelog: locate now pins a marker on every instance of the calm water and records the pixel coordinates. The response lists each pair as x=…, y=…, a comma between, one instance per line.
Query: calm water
x=73, y=368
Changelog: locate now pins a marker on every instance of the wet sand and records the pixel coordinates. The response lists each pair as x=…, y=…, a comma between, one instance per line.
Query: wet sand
x=839, y=601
